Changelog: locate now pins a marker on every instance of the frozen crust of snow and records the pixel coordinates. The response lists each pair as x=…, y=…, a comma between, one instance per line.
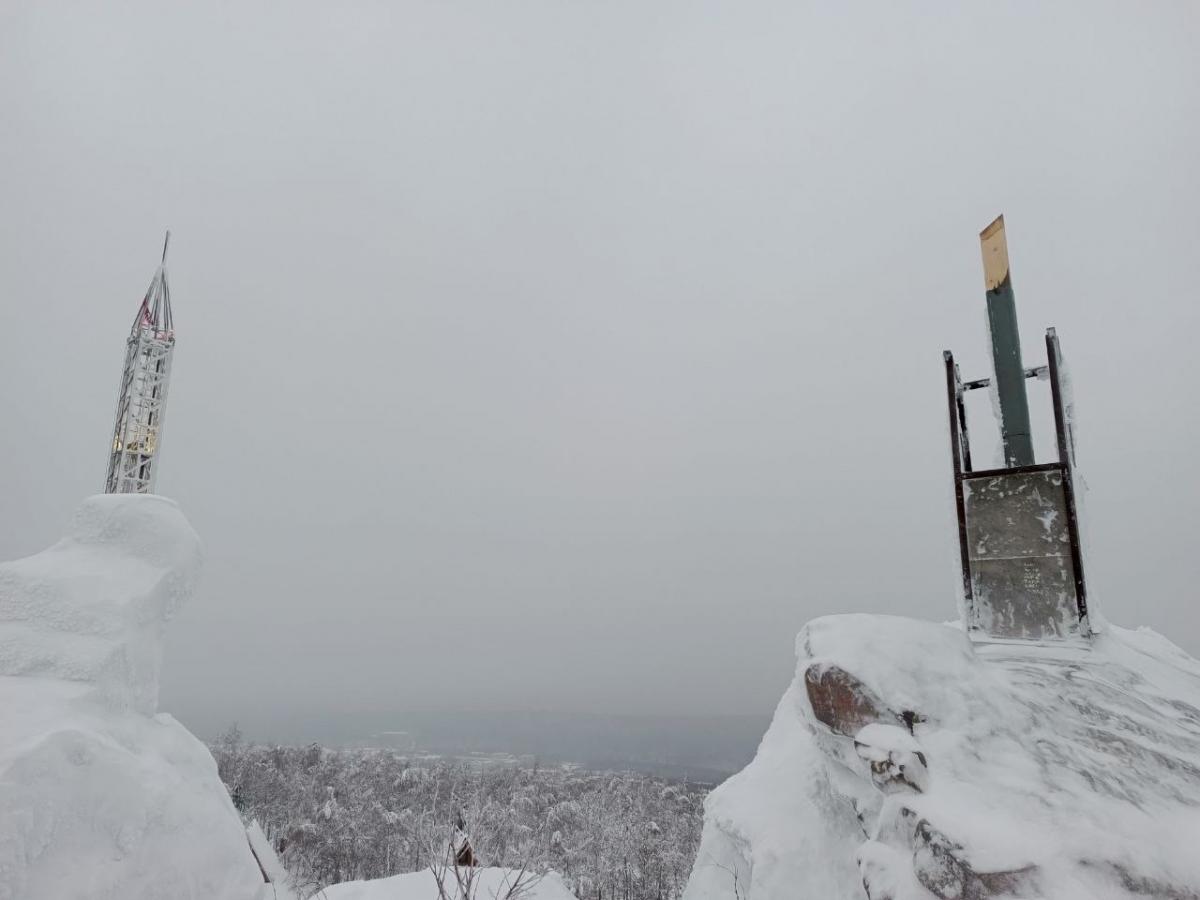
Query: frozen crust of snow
x=422, y=886
x=906, y=759
x=99, y=797
x=93, y=607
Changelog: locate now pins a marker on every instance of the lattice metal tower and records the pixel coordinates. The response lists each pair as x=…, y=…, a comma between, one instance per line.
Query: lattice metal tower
x=137, y=434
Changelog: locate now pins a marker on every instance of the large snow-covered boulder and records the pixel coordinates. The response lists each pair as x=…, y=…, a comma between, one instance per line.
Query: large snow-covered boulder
x=906, y=763
x=100, y=797
x=93, y=608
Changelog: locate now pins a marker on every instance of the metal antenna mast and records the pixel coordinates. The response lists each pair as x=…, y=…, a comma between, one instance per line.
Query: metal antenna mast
x=141, y=404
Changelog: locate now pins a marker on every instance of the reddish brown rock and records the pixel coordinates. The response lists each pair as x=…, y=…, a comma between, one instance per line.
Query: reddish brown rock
x=941, y=866
x=844, y=703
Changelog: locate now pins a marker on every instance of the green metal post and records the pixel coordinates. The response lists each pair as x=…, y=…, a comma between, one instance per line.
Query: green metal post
x=1006, y=347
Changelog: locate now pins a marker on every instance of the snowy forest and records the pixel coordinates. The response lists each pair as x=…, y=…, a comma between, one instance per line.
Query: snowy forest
x=341, y=815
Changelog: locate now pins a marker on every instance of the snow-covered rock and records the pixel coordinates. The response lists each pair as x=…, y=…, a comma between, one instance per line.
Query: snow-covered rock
x=491, y=883
x=905, y=763
x=93, y=608
x=99, y=796
x=897, y=761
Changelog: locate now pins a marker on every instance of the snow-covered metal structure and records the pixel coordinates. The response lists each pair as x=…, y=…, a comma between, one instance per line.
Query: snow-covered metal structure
x=1018, y=525
x=142, y=403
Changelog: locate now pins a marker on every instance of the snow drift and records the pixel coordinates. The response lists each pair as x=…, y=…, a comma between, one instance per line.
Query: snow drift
x=906, y=763
x=492, y=882
x=100, y=797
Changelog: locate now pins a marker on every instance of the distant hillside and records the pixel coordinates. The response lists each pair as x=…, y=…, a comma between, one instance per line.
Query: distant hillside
x=700, y=748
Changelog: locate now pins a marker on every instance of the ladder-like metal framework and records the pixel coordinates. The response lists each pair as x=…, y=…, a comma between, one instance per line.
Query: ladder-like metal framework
x=141, y=406
x=1018, y=526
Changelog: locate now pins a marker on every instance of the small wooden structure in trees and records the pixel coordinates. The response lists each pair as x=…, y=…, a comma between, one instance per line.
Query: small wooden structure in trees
x=460, y=846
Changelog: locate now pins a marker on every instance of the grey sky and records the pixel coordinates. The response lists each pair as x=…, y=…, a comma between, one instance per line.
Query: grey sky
x=571, y=356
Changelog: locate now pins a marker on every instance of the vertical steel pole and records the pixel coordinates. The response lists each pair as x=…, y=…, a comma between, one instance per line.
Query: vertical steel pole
x=1006, y=347
x=954, y=400
x=1066, y=456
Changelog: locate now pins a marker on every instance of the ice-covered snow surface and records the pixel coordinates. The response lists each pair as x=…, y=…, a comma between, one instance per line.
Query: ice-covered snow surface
x=904, y=762
x=99, y=796
x=492, y=883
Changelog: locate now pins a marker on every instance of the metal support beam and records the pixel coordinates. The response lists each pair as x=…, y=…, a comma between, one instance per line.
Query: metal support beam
x=959, y=447
x=1066, y=456
x=1006, y=347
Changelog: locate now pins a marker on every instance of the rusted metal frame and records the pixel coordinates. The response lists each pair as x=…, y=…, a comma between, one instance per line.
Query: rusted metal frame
x=954, y=399
x=1015, y=470
x=964, y=436
x=1035, y=372
x=1066, y=457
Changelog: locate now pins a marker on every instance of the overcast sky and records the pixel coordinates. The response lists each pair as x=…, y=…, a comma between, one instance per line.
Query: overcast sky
x=571, y=356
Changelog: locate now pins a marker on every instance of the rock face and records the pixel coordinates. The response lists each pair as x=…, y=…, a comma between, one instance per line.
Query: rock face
x=904, y=763
x=100, y=797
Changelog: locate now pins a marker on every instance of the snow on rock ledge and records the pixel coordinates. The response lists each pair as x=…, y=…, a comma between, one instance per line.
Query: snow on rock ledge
x=904, y=763
x=100, y=797
x=93, y=607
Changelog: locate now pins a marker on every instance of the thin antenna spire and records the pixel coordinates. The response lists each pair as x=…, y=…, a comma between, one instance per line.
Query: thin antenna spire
x=137, y=433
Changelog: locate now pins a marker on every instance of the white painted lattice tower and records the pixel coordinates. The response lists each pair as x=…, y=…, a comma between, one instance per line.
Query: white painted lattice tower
x=142, y=403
